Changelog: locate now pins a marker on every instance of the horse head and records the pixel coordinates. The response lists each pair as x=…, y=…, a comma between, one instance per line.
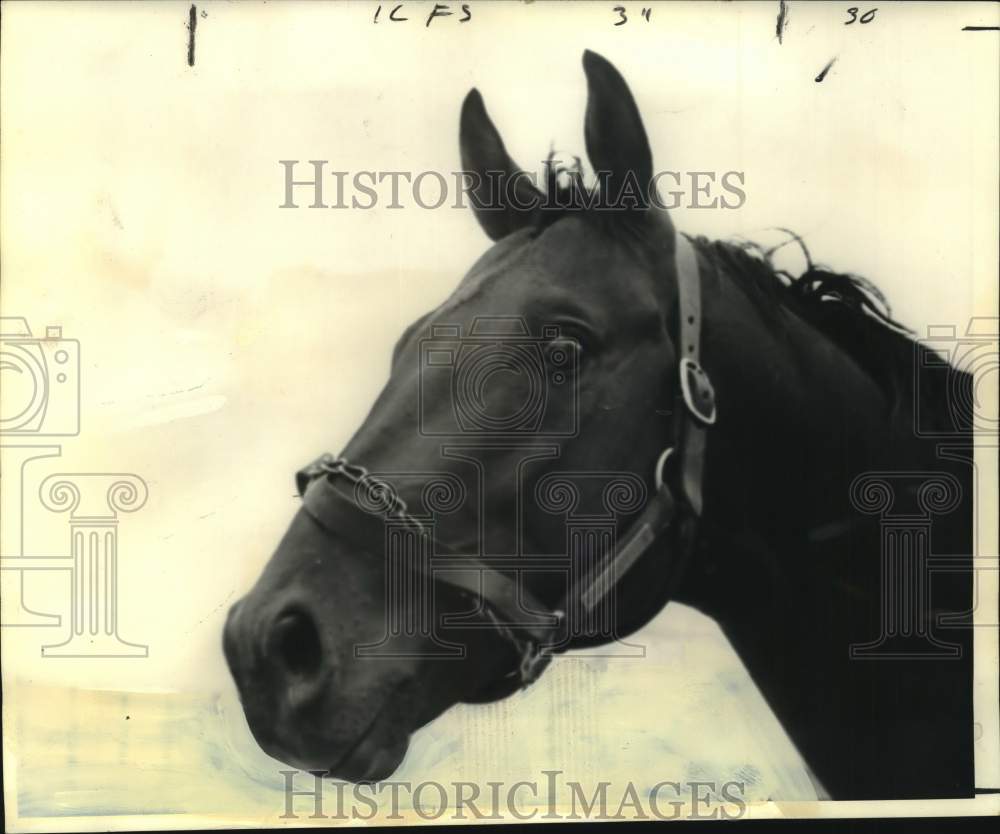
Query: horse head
x=553, y=354
x=533, y=476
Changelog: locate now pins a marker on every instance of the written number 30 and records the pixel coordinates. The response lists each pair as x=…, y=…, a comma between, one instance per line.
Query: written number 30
x=867, y=17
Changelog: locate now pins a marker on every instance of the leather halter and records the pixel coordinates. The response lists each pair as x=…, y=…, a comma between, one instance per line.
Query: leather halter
x=330, y=488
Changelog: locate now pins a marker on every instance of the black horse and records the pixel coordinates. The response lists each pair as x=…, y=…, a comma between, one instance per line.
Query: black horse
x=604, y=416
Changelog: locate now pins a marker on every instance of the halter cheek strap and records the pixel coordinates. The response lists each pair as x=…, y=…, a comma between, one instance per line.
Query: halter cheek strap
x=679, y=471
x=334, y=492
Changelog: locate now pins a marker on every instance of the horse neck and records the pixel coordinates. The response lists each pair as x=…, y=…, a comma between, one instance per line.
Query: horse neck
x=789, y=569
x=796, y=415
x=798, y=419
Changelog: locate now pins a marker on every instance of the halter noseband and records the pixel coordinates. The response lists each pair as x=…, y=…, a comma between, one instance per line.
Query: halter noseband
x=321, y=486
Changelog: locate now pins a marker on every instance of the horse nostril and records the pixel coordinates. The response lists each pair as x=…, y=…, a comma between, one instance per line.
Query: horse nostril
x=295, y=643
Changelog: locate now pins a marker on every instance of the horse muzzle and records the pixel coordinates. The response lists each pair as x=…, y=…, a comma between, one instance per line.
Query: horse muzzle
x=298, y=705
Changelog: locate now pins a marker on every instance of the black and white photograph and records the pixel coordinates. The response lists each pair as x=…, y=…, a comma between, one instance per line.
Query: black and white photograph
x=427, y=413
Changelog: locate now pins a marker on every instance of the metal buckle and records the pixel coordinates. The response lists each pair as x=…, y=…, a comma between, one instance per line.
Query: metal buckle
x=699, y=396
x=660, y=462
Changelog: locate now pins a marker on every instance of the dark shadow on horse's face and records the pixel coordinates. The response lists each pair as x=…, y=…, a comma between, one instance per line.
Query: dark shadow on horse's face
x=311, y=697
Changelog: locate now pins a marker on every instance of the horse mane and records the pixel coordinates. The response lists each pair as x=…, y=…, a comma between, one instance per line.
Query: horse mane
x=854, y=314
x=849, y=309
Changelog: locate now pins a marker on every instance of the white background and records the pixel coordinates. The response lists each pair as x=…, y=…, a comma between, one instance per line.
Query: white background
x=226, y=342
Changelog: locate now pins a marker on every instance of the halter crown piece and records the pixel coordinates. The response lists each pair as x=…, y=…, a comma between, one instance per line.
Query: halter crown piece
x=329, y=488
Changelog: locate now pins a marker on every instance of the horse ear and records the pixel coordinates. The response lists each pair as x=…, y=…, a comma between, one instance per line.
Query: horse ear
x=616, y=140
x=503, y=198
